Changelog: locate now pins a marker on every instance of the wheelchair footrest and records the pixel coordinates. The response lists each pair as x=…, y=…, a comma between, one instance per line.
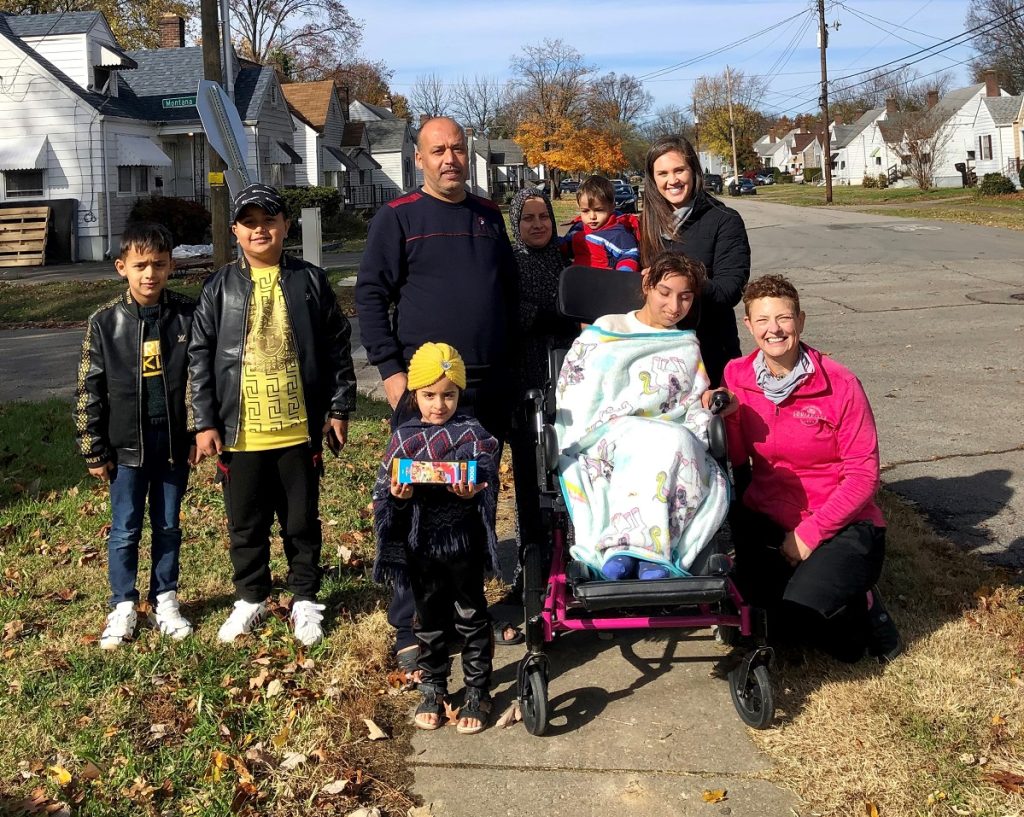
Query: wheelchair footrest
x=683, y=591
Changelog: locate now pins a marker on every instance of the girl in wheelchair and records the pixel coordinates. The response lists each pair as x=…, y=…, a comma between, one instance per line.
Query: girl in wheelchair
x=440, y=538
x=632, y=418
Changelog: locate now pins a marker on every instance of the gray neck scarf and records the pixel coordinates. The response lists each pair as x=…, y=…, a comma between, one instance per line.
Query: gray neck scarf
x=778, y=389
x=679, y=216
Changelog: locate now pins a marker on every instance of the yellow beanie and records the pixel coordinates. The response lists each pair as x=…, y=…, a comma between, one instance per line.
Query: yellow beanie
x=433, y=361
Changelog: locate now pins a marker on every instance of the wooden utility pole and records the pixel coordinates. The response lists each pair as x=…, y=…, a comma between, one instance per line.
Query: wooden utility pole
x=732, y=127
x=221, y=227
x=826, y=159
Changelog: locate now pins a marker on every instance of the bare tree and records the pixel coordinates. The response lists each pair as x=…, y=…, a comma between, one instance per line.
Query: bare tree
x=905, y=85
x=668, y=120
x=551, y=79
x=1000, y=45
x=919, y=138
x=618, y=98
x=430, y=95
x=478, y=102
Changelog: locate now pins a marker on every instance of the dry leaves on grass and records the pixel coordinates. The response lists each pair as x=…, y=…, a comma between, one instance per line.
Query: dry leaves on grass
x=375, y=732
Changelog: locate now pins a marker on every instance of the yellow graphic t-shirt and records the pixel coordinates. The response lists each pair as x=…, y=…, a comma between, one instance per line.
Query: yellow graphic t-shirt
x=273, y=411
x=152, y=365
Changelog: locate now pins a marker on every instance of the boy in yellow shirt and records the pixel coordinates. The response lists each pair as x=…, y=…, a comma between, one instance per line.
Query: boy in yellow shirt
x=272, y=377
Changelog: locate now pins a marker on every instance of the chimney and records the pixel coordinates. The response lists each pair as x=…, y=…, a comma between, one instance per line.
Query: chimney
x=890, y=105
x=388, y=104
x=991, y=83
x=838, y=119
x=933, y=98
x=172, y=31
x=423, y=119
x=771, y=136
x=469, y=133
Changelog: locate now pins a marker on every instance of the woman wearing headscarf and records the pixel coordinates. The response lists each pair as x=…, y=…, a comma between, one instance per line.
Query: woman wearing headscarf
x=535, y=243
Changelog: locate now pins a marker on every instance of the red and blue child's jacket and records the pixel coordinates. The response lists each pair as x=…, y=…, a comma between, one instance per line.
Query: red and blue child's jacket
x=613, y=246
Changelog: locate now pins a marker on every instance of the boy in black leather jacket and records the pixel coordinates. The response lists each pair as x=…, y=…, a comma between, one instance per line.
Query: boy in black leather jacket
x=272, y=376
x=130, y=421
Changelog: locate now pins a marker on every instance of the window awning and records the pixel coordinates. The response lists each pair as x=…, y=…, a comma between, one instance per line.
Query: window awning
x=284, y=154
x=339, y=158
x=875, y=152
x=138, y=151
x=835, y=156
x=113, y=57
x=363, y=160
x=23, y=153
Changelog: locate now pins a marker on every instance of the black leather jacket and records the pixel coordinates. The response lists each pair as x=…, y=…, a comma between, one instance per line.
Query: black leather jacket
x=108, y=402
x=322, y=337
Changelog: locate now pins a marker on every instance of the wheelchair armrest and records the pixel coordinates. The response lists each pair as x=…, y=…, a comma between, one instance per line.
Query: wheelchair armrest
x=549, y=445
x=717, y=439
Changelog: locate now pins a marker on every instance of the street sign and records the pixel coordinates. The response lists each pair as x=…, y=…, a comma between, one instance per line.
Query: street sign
x=178, y=102
x=225, y=132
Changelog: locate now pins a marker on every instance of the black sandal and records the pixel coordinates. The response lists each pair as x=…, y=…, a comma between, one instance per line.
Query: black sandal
x=477, y=706
x=433, y=702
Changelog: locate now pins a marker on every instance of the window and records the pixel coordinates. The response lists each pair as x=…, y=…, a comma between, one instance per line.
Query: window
x=24, y=183
x=971, y=155
x=878, y=161
x=332, y=178
x=277, y=175
x=133, y=180
x=984, y=148
x=362, y=177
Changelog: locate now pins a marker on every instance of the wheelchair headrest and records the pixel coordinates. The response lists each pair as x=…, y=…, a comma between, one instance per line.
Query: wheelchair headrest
x=586, y=293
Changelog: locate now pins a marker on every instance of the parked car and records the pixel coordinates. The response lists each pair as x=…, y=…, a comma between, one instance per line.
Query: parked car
x=625, y=196
x=713, y=182
x=569, y=186
x=767, y=177
x=746, y=187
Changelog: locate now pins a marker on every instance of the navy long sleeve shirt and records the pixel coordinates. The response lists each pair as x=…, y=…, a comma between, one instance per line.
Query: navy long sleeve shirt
x=448, y=271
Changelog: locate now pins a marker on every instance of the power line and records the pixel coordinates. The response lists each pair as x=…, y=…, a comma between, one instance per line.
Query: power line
x=886, y=37
x=860, y=16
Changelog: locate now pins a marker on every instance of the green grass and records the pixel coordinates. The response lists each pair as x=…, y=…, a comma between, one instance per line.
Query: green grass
x=1009, y=219
x=70, y=303
x=805, y=195
x=68, y=705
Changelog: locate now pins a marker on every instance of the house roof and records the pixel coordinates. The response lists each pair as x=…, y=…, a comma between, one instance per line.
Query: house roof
x=952, y=102
x=168, y=72
x=386, y=136
x=765, y=148
x=52, y=25
x=352, y=136
x=1004, y=110
x=503, y=152
x=377, y=110
x=802, y=140
x=844, y=134
x=310, y=101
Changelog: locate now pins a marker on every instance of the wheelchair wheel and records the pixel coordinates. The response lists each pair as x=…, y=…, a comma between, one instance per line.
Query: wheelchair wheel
x=752, y=695
x=533, y=700
x=727, y=636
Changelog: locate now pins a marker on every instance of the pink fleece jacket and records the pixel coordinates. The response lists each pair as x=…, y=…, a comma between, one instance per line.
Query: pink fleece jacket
x=814, y=456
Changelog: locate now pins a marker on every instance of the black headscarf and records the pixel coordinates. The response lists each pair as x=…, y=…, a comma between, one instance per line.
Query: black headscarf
x=539, y=270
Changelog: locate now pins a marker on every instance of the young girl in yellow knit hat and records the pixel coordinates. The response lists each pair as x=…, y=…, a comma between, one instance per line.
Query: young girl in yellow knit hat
x=440, y=539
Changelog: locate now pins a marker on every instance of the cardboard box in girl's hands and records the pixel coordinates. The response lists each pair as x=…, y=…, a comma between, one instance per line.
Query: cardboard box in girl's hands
x=413, y=472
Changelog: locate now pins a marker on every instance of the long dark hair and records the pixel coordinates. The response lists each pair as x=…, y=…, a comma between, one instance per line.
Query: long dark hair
x=656, y=218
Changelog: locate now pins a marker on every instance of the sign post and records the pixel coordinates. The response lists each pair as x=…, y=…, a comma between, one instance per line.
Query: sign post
x=312, y=236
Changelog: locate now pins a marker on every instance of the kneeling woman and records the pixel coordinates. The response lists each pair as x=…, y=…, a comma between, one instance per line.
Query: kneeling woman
x=810, y=540
x=644, y=494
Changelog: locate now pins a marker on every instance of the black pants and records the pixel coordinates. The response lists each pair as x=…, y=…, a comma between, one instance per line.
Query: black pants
x=449, y=596
x=822, y=602
x=258, y=484
x=490, y=407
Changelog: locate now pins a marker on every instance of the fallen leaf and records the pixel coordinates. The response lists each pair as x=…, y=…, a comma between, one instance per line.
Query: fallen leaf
x=510, y=716
x=281, y=738
x=998, y=720
x=376, y=733
x=91, y=771
x=1008, y=781
x=292, y=760
x=451, y=713
x=337, y=787
x=12, y=629
x=61, y=775
x=319, y=755
x=274, y=688
x=870, y=809
x=245, y=791
x=713, y=795
x=221, y=762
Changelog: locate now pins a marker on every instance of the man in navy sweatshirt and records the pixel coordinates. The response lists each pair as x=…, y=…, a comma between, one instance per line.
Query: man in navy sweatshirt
x=438, y=267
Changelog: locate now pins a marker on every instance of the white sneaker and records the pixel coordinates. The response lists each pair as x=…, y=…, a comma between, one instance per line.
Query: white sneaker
x=120, y=626
x=243, y=618
x=167, y=618
x=306, y=617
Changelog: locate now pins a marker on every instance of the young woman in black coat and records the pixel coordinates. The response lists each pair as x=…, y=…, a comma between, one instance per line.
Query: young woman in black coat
x=680, y=215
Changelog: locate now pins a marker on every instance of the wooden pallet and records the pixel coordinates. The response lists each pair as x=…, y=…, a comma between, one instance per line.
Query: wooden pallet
x=23, y=236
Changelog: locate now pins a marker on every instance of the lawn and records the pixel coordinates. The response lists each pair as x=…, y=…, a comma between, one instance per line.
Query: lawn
x=805, y=195
x=190, y=728
x=70, y=303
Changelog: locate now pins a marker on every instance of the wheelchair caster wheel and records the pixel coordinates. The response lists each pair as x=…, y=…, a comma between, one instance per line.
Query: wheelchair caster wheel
x=751, y=691
x=533, y=700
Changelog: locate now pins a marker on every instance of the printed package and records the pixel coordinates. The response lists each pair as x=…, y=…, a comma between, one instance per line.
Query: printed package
x=412, y=472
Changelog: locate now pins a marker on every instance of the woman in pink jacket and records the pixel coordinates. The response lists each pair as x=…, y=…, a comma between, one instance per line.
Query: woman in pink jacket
x=810, y=540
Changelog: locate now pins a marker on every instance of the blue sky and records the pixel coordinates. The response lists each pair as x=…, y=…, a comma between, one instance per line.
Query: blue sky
x=463, y=37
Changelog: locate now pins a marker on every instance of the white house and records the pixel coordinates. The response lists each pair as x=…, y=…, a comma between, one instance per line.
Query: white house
x=772, y=151
x=859, y=150
x=391, y=144
x=319, y=120
x=997, y=134
x=97, y=128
